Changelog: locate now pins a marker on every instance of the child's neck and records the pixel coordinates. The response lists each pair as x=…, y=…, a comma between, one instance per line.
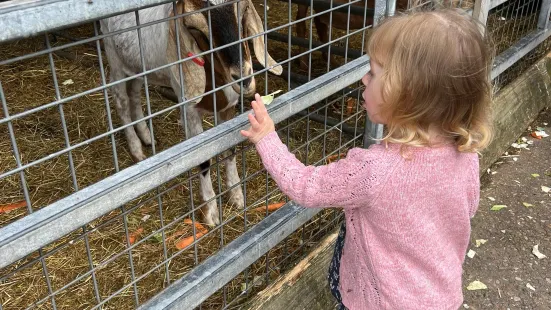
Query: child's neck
x=438, y=138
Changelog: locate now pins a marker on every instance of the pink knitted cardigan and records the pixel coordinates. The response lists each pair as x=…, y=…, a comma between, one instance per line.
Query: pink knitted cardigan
x=407, y=220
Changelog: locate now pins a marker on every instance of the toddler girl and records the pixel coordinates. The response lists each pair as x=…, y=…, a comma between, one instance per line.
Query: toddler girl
x=407, y=201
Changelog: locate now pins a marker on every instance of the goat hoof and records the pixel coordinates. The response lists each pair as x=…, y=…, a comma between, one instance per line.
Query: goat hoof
x=211, y=215
x=237, y=199
x=138, y=157
x=145, y=136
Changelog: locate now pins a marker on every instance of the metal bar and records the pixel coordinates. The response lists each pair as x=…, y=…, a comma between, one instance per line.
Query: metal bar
x=324, y=5
x=373, y=130
x=205, y=279
x=480, y=11
x=543, y=20
x=20, y=238
x=324, y=47
x=514, y=53
x=74, y=12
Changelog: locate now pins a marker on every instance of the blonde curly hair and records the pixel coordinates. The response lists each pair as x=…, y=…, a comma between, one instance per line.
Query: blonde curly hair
x=436, y=74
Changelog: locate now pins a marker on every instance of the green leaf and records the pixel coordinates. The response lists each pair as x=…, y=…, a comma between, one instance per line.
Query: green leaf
x=158, y=237
x=270, y=97
x=535, y=175
x=527, y=204
x=498, y=207
x=476, y=285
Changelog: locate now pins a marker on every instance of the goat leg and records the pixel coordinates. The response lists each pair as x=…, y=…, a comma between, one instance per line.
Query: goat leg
x=134, y=89
x=210, y=212
x=232, y=176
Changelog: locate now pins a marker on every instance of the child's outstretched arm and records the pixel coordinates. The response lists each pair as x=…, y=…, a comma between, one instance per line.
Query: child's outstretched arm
x=340, y=184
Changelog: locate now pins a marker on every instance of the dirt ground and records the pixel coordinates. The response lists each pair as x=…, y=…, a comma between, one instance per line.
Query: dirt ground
x=515, y=278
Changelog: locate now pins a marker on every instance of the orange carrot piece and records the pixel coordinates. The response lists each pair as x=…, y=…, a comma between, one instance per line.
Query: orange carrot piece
x=334, y=157
x=13, y=206
x=271, y=207
x=133, y=236
x=189, y=240
x=349, y=106
x=198, y=226
x=533, y=134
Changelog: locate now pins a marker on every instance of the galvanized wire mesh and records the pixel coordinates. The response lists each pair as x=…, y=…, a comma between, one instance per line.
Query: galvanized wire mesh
x=61, y=134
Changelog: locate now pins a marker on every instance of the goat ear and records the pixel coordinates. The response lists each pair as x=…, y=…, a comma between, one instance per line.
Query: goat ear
x=193, y=70
x=253, y=25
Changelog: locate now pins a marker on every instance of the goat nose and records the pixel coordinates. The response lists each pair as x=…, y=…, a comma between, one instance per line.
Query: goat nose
x=247, y=82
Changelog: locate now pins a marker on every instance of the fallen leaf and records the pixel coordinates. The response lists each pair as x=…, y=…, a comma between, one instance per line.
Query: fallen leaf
x=13, y=206
x=480, y=242
x=133, y=236
x=471, y=253
x=535, y=175
x=530, y=287
x=527, y=204
x=68, y=82
x=492, y=198
x=270, y=97
x=476, y=285
x=535, y=135
x=545, y=124
x=146, y=217
x=466, y=306
x=498, y=207
x=515, y=158
x=545, y=189
x=536, y=251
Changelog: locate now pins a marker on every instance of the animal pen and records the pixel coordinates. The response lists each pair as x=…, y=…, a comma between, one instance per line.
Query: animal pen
x=103, y=206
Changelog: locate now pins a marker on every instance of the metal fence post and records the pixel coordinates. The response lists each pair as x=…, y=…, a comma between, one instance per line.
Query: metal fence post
x=543, y=20
x=372, y=130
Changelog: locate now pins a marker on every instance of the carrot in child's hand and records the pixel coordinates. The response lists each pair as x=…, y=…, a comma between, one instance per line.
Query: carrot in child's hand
x=271, y=207
x=133, y=236
x=13, y=206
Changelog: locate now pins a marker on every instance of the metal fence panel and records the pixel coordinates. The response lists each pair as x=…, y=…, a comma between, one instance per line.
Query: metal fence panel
x=98, y=229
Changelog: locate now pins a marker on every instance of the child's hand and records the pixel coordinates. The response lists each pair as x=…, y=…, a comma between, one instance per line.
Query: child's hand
x=261, y=123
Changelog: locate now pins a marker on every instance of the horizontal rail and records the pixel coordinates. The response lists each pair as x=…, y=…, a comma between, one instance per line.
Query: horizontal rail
x=514, y=53
x=52, y=222
x=204, y=280
x=56, y=14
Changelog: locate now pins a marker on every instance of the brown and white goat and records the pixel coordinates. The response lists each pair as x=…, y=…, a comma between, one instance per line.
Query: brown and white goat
x=159, y=47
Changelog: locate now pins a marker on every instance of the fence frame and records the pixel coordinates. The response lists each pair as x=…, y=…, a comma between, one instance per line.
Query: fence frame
x=58, y=219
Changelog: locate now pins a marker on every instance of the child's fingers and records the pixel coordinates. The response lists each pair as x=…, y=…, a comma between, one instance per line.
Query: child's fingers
x=260, y=110
x=257, y=111
x=246, y=133
x=253, y=121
